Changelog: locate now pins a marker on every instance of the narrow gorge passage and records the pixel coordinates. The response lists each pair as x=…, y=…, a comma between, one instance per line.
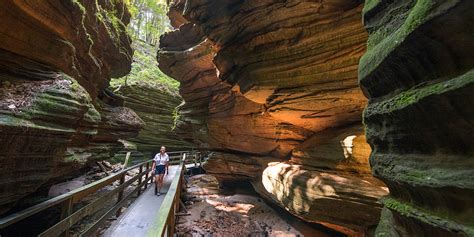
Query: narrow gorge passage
x=353, y=116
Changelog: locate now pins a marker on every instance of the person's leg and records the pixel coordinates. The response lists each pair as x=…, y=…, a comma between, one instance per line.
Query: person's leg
x=161, y=182
x=156, y=183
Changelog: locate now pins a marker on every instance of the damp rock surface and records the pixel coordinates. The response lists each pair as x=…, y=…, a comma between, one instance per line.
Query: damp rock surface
x=418, y=75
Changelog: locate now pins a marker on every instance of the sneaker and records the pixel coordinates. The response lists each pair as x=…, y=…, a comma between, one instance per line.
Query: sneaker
x=158, y=194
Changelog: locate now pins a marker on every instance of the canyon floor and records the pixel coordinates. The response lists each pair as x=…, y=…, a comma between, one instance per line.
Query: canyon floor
x=235, y=211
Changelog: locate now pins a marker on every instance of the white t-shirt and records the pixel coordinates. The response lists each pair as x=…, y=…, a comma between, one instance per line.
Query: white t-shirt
x=161, y=159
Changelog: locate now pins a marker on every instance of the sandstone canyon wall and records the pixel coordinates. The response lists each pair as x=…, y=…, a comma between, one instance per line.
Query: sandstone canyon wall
x=418, y=75
x=271, y=87
x=156, y=107
x=154, y=97
x=56, y=58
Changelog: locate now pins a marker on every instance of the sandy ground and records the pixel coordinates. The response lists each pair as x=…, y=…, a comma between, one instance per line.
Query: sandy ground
x=215, y=214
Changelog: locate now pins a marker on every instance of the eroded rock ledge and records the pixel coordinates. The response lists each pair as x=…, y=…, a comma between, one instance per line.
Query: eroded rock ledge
x=56, y=58
x=267, y=81
x=418, y=74
x=156, y=106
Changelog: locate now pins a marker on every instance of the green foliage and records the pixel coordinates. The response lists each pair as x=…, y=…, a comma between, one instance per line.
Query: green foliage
x=145, y=70
x=148, y=20
x=176, y=117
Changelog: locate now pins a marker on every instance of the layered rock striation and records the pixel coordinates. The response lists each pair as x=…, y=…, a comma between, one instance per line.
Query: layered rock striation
x=268, y=82
x=154, y=96
x=156, y=106
x=56, y=59
x=89, y=43
x=418, y=76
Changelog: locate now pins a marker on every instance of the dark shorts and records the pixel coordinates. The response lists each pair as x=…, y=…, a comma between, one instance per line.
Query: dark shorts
x=160, y=169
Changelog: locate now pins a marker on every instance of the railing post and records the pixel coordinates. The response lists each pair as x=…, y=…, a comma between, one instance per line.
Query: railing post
x=125, y=163
x=66, y=210
x=195, y=161
x=146, y=175
x=140, y=170
x=120, y=195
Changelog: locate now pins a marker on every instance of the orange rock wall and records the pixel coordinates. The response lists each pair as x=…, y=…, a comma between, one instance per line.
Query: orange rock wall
x=267, y=81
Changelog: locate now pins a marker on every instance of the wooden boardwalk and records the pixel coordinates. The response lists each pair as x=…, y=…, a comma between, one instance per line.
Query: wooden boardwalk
x=141, y=214
x=148, y=214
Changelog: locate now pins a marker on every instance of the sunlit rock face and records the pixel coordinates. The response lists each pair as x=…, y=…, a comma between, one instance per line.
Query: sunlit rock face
x=56, y=58
x=277, y=81
x=328, y=179
x=344, y=148
x=341, y=200
x=212, y=105
x=418, y=75
x=233, y=167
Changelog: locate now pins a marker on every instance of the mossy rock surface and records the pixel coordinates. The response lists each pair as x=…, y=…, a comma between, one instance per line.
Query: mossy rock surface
x=418, y=76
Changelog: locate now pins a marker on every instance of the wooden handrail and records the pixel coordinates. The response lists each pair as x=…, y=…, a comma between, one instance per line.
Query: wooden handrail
x=67, y=200
x=75, y=194
x=90, y=208
x=165, y=219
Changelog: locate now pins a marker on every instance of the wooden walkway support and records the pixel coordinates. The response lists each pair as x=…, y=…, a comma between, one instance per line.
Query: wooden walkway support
x=138, y=218
x=69, y=217
x=165, y=218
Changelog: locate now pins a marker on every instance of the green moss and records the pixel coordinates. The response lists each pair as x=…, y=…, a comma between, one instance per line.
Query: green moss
x=79, y=92
x=382, y=43
x=92, y=115
x=115, y=21
x=414, y=95
x=430, y=217
x=26, y=123
x=176, y=117
x=112, y=23
x=13, y=121
x=81, y=7
x=369, y=5
x=77, y=156
x=385, y=228
x=83, y=18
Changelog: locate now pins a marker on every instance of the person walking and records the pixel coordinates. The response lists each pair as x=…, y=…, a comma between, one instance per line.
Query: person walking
x=160, y=163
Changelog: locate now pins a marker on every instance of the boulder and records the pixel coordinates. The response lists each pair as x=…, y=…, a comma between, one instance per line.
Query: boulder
x=344, y=201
